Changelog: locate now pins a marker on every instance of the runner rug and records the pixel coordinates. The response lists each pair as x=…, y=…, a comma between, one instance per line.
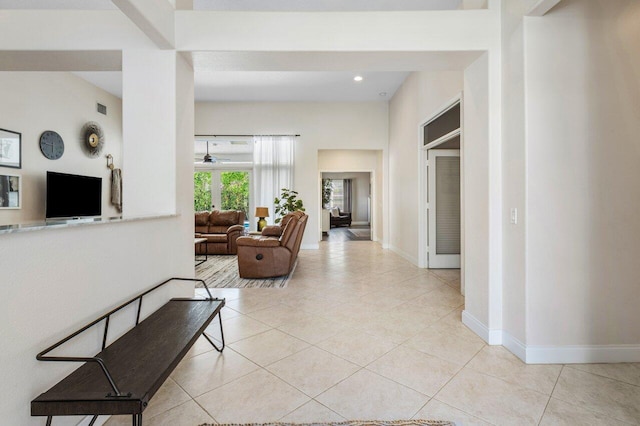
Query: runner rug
x=349, y=423
x=222, y=272
x=361, y=232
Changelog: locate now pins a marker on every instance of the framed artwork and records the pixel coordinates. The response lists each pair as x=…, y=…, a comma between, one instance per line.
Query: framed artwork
x=10, y=149
x=10, y=192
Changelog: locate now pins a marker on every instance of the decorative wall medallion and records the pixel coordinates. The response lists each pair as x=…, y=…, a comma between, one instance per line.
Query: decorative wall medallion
x=92, y=138
x=51, y=145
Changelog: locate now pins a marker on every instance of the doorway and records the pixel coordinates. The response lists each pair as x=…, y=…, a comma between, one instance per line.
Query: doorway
x=442, y=193
x=444, y=208
x=346, y=202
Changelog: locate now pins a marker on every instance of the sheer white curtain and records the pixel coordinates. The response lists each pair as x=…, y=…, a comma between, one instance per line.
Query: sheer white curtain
x=272, y=170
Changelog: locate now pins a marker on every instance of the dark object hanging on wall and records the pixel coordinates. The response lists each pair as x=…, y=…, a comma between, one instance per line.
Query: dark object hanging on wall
x=51, y=145
x=92, y=138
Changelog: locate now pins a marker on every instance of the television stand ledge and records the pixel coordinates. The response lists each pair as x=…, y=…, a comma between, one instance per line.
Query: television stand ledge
x=125, y=375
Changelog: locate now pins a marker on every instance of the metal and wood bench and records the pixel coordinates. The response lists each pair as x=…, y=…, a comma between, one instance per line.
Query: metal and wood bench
x=125, y=375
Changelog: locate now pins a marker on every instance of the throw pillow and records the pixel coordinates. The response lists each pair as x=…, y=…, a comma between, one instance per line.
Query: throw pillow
x=272, y=231
x=335, y=212
x=202, y=218
x=224, y=217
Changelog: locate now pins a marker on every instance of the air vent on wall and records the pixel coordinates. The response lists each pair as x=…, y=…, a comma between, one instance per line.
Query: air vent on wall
x=102, y=109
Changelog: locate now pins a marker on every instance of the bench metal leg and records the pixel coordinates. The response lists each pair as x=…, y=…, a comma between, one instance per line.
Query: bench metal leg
x=221, y=336
x=93, y=420
x=49, y=420
x=136, y=419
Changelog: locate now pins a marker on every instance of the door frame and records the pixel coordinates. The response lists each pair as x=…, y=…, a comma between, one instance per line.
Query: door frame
x=372, y=179
x=423, y=188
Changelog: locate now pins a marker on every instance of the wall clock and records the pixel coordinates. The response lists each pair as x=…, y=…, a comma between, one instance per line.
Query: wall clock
x=51, y=145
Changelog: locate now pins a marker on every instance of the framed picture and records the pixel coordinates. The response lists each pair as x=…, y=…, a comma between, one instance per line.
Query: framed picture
x=10, y=149
x=10, y=192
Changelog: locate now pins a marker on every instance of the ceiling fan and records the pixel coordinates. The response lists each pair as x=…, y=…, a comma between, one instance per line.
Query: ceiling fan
x=211, y=159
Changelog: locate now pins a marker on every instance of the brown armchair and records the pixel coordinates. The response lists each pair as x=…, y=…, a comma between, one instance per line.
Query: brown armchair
x=273, y=253
x=221, y=228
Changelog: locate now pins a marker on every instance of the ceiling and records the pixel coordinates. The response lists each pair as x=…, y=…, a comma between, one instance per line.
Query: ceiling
x=301, y=86
x=313, y=76
x=256, y=5
x=287, y=76
x=325, y=5
x=58, y=4
x=301, y=76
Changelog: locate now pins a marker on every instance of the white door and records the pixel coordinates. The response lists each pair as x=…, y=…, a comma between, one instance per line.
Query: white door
x=444, y=208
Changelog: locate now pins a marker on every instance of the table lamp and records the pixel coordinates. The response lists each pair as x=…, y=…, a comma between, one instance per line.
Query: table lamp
x=261, y=213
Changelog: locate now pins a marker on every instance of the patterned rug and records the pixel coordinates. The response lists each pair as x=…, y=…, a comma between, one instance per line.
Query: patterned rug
x=349, y=423
x=221, y=271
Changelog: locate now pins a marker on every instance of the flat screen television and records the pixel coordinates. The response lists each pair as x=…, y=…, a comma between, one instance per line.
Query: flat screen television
x=73, y=196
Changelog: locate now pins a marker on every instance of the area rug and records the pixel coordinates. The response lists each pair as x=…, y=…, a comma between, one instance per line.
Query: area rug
x=222, y=272
x=348, y=423
x=361, y=233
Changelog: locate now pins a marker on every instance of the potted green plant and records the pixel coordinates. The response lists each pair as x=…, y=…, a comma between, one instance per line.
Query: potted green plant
x=327, y=191
x=287, y=202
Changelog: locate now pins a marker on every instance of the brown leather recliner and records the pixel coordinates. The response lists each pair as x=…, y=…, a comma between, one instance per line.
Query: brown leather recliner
x=274, y=253
x=221, y=228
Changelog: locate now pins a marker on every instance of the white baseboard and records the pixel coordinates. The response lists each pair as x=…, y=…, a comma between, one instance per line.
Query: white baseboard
x=570, y=354
x=492, y=337
x=514, y=346
x=360, y=223
x=401, y=253
x=315, y=246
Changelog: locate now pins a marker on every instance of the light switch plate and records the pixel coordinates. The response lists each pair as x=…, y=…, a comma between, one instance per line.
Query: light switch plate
x=514, y=216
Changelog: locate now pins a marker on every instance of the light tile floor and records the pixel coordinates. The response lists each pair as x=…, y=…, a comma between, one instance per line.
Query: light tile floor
x=360, y=333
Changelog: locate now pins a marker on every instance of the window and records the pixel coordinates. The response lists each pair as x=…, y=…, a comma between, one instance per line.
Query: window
x=337, y=195
x=446, y=124
x=234, y=191
x=202, y=191
x=222, y=190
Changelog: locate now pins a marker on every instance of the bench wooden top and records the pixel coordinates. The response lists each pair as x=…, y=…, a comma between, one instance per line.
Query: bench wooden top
x=139, y=361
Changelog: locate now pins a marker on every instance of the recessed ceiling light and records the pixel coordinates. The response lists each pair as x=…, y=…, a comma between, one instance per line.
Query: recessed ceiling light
x=382, y=93
x=357, y=78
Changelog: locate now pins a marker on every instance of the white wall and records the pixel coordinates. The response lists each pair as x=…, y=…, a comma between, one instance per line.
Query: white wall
x=420, y=96
x=477, y=192
x=149, y=83
x=360, y=194
x=514, y=169
x=62, y=102
x=353, y=126
x=582, y=70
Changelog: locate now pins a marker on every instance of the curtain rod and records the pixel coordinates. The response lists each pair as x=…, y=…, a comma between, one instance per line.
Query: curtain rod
x=238, y=136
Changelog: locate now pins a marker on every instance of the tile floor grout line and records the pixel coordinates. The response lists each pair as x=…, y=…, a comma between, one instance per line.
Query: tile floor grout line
x=453, y=377
x=423, y=406
x=551, y=394
x=571, y=366
x=230, y=381
x=586, y=408
x=196, y=402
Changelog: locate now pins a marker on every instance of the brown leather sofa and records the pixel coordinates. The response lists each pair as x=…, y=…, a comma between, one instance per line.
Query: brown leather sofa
x=273, y=253
x=221, y=228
